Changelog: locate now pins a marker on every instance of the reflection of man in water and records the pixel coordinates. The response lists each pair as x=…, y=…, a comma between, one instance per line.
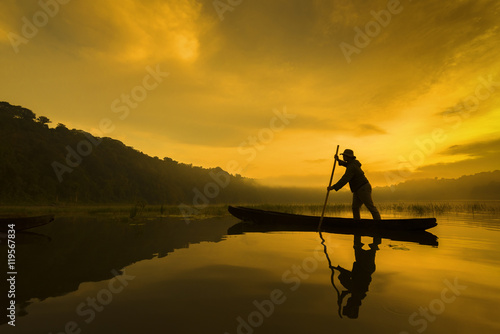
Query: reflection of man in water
x=358, y=280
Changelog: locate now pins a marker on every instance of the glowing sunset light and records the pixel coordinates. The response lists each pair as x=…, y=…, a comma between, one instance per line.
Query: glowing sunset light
x=419, y=81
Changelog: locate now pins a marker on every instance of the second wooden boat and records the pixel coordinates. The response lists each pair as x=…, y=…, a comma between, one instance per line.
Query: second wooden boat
x=23, y=223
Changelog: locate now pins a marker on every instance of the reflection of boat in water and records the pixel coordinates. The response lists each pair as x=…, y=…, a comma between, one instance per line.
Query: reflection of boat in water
x=356, y=281
x=263, y=216
x=420, y=237
x=24, y=223
x=27, y=238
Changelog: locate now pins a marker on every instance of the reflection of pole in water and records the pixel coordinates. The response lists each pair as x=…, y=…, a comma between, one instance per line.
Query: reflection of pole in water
x=332, y=278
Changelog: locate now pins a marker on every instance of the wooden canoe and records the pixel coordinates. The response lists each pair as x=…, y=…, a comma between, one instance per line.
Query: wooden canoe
x=24, y=223
x=271, y=217
x=261, y=221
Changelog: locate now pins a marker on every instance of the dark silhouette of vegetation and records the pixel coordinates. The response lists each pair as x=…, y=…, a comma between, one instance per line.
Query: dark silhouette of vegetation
x=111, y=173
x=32, y=154
x=480, y=186
x=61, y=264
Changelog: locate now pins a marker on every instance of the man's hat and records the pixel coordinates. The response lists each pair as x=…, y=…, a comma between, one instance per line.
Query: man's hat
x=348, y=153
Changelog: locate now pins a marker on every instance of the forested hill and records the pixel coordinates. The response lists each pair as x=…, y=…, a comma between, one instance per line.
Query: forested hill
x=48, y=165
x=480, y=186
x=45, y=165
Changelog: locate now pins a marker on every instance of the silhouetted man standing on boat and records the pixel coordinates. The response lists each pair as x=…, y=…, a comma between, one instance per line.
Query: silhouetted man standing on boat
x=360, y=187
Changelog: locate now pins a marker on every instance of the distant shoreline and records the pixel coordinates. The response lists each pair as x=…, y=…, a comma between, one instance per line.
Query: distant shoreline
x=421, y=207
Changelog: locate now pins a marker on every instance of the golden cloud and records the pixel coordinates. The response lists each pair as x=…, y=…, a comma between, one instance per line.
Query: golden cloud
x=127, y=31
x=146, y=31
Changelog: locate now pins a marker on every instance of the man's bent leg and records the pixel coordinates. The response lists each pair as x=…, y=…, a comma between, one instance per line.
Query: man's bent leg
x=365, y=195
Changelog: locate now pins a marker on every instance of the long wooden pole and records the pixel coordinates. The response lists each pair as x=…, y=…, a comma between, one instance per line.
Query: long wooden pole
x=328, y=190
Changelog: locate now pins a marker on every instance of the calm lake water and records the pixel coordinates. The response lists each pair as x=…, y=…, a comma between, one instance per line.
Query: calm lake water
x=97, y=275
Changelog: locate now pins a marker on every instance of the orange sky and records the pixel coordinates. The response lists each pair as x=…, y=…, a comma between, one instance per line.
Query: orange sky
x=268, y=88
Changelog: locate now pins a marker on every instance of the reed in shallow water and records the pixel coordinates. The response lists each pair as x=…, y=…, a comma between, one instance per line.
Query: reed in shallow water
x=219, y=210
x=393, y=208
